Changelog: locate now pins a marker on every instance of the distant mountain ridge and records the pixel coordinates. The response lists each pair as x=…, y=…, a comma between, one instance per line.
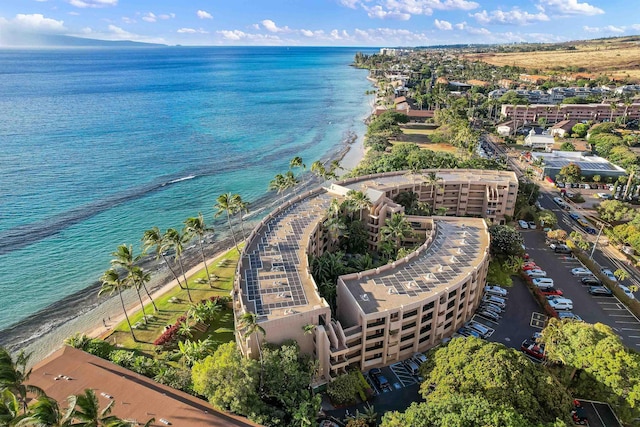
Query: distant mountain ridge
x=56, y=40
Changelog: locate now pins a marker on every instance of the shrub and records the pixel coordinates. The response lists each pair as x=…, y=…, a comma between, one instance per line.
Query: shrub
x=122, y=358
x=99, y=348
x=343, y=389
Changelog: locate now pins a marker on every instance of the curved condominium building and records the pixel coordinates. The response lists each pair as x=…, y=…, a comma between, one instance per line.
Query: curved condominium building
x=386, y=314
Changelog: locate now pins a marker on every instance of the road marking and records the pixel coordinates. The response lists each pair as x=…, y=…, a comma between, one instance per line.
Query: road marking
x=631, y=323
x=538, y=320
x=629, y=329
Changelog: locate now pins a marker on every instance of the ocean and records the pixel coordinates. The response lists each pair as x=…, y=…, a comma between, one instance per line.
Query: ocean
x=98, y=145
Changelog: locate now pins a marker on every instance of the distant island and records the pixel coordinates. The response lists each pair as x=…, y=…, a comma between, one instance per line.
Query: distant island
x=56, y=40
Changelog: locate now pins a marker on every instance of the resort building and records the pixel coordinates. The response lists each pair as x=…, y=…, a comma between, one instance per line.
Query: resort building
x=554, y=114
x=590, y=165
x=539, y=141
x=386, y=314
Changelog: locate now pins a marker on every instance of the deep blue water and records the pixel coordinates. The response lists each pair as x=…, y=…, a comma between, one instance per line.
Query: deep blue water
x=91, y=140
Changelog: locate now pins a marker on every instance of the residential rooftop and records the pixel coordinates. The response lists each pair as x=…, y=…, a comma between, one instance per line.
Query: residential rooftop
x=69, y=371
x=454, y=248
x=559, y=159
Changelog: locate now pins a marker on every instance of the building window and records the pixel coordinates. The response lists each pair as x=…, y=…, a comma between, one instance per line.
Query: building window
x=427, y=316
x=428, y=306
x=448, y=325
x=395, y=316
x=409, y=325
x=425, y=338
x=410, y=313
x=425, y=328
x=449, y=315
x=406, y=347
x=451, y=304
x=408, y=337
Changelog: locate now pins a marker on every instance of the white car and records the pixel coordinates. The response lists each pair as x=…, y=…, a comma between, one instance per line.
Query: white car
x=558, y=303
x=536, y=273
x=523, y=224
x=558, y=201
x=609, y=274
x=581, y=272
x=532, y=225
x=627, y=291
x=543, y=282
x=496, y=290
x=419, y=358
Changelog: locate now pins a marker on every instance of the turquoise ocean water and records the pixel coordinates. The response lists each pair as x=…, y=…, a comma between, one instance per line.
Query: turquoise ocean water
x=97, y=146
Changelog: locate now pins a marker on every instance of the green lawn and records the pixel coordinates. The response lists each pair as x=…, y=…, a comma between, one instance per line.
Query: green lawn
x=175, y=303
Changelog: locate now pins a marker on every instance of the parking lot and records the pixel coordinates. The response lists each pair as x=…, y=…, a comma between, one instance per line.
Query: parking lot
x=599, y=414
x=592, y=309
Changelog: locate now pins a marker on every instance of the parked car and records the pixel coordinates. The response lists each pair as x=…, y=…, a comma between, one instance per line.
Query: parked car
x=582, y=222
x=558, y=201
x=600, y=290
x=569, y=315
x=591, y=230
x=490, y=307
x=560, y=303
x=543, y=282
x=488, y=314
x=495, y=290
x=627, y=291
x=523, y=224
x=605, y=196
x=532, y=225
x=411, y=366
x=533, y=349
x=579, y=271
x=483, y=330
x=500, y=302
x=574, y=216
x=378, y=377
x=591, y=281
x=551, y=292
x=530, y=266
x=609, y=274
x=536, y=273
x=419, y=358
x=562, y=249
x=467, y=332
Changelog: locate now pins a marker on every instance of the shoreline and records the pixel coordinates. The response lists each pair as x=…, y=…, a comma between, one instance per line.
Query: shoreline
x=47, y=329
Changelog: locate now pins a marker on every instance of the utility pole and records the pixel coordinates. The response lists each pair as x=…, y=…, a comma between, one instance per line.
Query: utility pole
x=596, y=242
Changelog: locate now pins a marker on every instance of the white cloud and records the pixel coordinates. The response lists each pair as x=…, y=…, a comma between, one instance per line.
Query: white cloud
x=443, y=25
x=471, y=30
x=73, y=13
x=192, y=31
x=33, y=23
x=203, y=14
x=379, y=13
x=404, y=9
x=152, y=17
x=128, y=20
x=149, y=17
x=511, y=17
x=93, y=3
x=271, y=26
x=610, y=29
x=237, y=35
x=307, y=33
x=571, y=7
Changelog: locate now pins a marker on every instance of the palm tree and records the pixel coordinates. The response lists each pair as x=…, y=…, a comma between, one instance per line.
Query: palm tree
x=282, y=182
x=111, y=282
x=242, y=208
x=125, y=260
x=46, y=413
x=79, y=341
x=249, y=323
x=396, y=228
x=140, y=279
x=88, y=412
x=153, y=238
x=176, y=241
x=9, y=408
x=614, y=107
x=308, y=328
x=621, y=274
x=14, y=374
x=196, y=226
x=224, y=203
x=296, y=162
x=360, y=200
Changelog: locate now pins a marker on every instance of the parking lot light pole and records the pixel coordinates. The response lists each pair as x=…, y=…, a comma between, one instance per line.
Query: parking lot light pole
x=595, y=244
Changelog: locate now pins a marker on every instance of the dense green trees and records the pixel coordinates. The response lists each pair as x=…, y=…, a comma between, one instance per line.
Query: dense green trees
x=231, y=382
x=471, y=382
x=571, y=173
x=505, y=241
x=595, y=355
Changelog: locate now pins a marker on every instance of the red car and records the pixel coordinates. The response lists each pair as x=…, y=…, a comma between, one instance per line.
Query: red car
x=530, y=267
x=551, y=291
x=533, y=349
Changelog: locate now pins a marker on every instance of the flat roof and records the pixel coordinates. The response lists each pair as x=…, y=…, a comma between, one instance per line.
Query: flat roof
x=586, y=163
x=137, y=398
x=385, y=181
x=457, y=247
x=273, y=272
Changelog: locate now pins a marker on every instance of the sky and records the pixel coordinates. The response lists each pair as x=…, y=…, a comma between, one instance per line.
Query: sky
x=321, y=22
